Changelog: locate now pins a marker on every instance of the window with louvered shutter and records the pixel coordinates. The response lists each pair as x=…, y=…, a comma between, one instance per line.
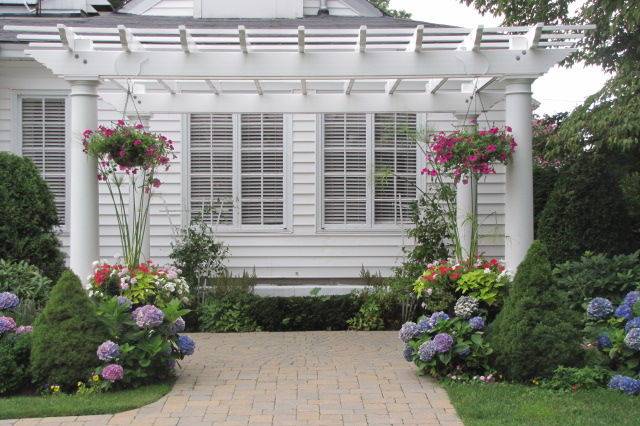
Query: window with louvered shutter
x=395, y=166
x=43, y=130
x=211, y=167
x=345, y=169
x=262, y=169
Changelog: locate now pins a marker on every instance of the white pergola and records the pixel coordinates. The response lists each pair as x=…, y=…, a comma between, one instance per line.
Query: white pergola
x=464, y=71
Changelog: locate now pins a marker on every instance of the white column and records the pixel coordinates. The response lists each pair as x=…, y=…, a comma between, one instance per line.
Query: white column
x=145, y=120
x=519, y=185
x=83, y=221
x=465, y=194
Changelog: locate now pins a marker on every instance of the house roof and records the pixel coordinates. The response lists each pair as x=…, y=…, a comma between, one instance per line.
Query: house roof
x=140, y=21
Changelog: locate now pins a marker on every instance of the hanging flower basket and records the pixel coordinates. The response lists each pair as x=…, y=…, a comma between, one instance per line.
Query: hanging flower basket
x=463, y=154
x=128, y=149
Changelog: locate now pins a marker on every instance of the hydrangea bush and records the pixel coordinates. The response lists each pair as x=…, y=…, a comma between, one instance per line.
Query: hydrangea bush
x=145, y=284
x=143, y=344
x=614, y=331
x=444, y=346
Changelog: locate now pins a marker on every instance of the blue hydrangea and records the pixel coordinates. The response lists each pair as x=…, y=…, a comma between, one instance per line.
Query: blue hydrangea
x=427, y=351
x=634, y=323
x=408, y=331
x=599, y=308
x=632, y=339
x=631, y=298
x=186, y=345
x=423, y=327
x=603, y=341
x=625, y=384
x=476, y=323
x=436, y=317
x=124, y=302
x=8, y=301
x=178, y=326
x=408, y=353
x=624, y=311
x=108, y=351
x=443, y=342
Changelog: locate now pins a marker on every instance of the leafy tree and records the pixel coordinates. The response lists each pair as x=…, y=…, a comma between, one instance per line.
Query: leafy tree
x=385, y=8
x=28, y=217
x=536, y=331
x=66, y=336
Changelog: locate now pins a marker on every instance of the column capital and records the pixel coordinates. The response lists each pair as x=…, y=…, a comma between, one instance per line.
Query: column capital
x=518, y=85
x=84, y=86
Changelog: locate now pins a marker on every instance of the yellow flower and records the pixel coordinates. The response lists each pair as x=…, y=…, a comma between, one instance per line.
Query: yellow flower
x=95, y=378
x=55, y=389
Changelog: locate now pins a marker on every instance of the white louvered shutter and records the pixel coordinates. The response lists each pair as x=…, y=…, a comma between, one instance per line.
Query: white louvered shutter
x=345, y=169
x=262, y=169
x=395, y=166
x=211, y=167
x=43, y=125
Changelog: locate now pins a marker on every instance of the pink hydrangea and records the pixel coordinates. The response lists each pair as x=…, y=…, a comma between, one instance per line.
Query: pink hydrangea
x=113, y=372
x=7, y=324
x=24, y=329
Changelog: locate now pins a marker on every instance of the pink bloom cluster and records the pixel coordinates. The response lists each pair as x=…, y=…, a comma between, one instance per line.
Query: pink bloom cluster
x=463, y=154
x=130, y=150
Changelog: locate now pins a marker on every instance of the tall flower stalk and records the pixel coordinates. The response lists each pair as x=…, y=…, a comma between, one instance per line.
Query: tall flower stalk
x=129, y=156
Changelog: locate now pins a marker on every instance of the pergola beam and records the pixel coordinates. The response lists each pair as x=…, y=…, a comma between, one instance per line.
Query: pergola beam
x=337, y=65
x=361, y=45
x=187, y=102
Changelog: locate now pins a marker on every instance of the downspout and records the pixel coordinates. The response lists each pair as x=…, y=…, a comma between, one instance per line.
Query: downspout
x=323, y=10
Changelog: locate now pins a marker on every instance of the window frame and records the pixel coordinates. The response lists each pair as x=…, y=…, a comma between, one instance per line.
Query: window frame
x=237, y=227
x=17, y=98
x=370, y=225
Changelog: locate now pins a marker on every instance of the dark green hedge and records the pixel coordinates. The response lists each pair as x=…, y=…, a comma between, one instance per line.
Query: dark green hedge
x=247, y=312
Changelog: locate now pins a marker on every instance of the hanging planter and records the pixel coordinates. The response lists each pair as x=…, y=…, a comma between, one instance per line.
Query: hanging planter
x=463, y=155
x=129, y=153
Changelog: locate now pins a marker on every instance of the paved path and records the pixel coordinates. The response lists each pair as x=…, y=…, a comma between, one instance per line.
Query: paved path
x=353, y=378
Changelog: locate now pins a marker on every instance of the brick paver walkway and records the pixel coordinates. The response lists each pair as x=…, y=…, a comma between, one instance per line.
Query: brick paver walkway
x=353, y=378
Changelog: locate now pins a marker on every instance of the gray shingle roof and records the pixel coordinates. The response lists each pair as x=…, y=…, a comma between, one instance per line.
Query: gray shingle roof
x=141, y=21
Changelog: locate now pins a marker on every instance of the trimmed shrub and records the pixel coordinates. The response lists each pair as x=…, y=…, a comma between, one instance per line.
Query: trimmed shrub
x=536, y=331
x=15, y=350
x=66, y=335
x=586, y=212
x=231, y=313
x=596, y=275
x=28, y=217
x=24, y=281
x=544, y=179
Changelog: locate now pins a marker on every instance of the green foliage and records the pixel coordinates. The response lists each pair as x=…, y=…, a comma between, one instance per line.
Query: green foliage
x=197, y=252
x=384, y=6
x=596, y=275
x=485, y=287
x=575, y=218
x=304, y=313
x=630, y=187
x=28, y=217
x=544, y=179
x=617, y=356
x=24, y=280
x=536, y=331
x=429, y=232
x=573, y=379
x=468, y=356
x=14, y=363
x=368, y=318
x=230, y=313
x=227, y=283
x=66, y=335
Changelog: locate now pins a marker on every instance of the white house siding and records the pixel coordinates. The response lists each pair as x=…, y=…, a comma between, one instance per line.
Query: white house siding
x=185, y=8
x=303, y=251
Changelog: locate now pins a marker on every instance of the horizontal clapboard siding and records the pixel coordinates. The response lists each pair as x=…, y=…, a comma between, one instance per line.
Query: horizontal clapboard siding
x=185, y=8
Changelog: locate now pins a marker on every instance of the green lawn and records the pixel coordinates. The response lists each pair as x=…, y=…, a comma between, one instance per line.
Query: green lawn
x=75, y=405
x=503, y=404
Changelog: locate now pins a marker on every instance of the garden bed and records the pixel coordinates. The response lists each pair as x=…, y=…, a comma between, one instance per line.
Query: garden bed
x=17, y=407
x=509, y=404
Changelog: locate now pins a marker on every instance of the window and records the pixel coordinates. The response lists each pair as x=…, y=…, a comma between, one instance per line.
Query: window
x=237, y=169
x=369, y=169
x=43, y=136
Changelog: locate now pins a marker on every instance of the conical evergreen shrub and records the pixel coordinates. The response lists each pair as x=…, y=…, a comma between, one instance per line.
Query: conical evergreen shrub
x=536, y=331
x=586, y=211
x=66, y=335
